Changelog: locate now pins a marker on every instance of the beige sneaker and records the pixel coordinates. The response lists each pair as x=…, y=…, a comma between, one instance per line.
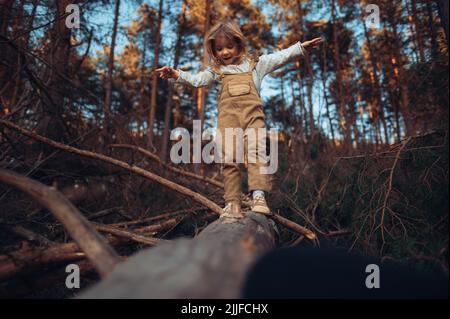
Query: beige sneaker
x=232, y=210
x=259, y=205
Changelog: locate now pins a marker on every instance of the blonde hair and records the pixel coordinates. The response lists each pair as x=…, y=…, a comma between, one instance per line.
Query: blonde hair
x=232, y=31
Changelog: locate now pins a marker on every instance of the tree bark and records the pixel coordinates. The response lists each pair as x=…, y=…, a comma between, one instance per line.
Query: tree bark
x=432, y=31
x=418, y=53
x=376, y=88
x=108, y=93
x=130, y=167
x=52, y=124
x=169, y=167
x=327, y=105
x=308, y=118
x=211, y=265
x=340, y=93
x=138, y=170
x=5, y=14
x=151, y=117
x=169, y=103
x=95, y=247
x=403, y=83
x=303, y=128
x=202, y=90
x=29, y=259
x=443, y=14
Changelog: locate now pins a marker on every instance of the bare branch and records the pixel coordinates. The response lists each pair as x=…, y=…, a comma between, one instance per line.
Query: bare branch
x=169, y=167
x=88, y=239
x=132, y=168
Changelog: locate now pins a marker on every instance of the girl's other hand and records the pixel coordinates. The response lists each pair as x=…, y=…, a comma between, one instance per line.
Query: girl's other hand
x=167, y=72
x=311, y=44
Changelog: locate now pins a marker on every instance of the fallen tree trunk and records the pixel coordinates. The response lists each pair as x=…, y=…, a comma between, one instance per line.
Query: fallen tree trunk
x=212, y=265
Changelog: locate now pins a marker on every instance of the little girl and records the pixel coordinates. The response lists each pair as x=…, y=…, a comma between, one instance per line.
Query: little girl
x=239, y=102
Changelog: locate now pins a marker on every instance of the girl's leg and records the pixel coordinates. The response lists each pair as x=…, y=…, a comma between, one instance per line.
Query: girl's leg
x=255, y=140
x=231, y=171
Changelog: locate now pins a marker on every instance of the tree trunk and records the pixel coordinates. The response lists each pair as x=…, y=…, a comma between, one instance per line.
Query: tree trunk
x=108, y=90
x=432, y=31
x=418, y=52
x=212, y=265
x=403, y=83
x=169, y=103
x=52, y=125
x=418, y=28
x=376, y=88
x=5, y=16
x=302, y=108
x=151, y=118
x=17, y=29
x=202, y=90
x=140, y=114
x=303, y=117
x=443, y=14
x=340, y=94
x=293, y=119
x=327, y=106
x=283, y=109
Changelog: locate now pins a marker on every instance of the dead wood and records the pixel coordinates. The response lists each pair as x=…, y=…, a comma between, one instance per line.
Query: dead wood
x=213, y=264
x=88, y=239
x=130, y=167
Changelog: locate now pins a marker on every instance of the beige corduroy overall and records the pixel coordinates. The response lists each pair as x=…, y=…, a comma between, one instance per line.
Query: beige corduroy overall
x=240, y=106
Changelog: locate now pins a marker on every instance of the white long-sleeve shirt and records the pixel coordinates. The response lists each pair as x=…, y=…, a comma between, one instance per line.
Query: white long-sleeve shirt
x=267, y=63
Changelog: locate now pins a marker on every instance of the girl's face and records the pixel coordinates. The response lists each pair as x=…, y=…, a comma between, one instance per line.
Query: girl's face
x=226, y=50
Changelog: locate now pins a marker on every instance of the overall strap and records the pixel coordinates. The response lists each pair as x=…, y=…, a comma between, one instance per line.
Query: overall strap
x=253, y=63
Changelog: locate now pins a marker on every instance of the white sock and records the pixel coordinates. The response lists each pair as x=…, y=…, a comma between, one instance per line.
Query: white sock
x=258, y=193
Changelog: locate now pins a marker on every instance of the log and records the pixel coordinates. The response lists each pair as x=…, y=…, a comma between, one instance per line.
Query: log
x=213, y=264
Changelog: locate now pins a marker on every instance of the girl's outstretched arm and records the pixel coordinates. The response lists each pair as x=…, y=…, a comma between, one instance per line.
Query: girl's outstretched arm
x=167, y=72
x=311, y=44
x=270, y=62
x=200, y=79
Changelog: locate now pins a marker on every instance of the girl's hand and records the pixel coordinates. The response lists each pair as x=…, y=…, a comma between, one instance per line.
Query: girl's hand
x=311, y=44
x=167, y=72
